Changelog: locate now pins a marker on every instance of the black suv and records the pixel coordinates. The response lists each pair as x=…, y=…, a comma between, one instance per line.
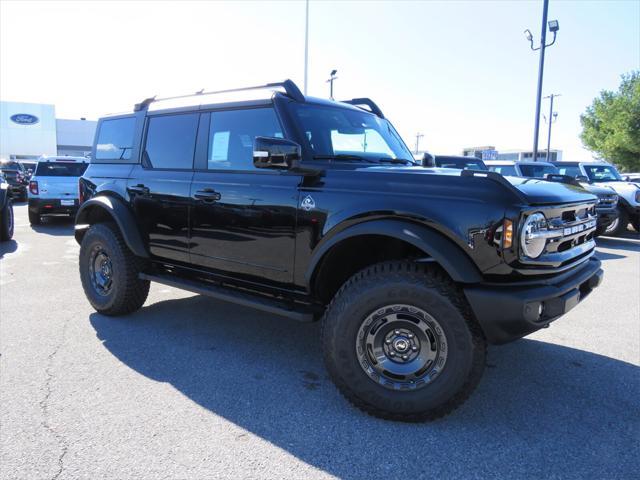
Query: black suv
x=17, y=177
x=315, y=209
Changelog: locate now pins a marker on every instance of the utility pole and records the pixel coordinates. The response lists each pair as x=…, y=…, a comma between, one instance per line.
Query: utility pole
x=552, y=118
x=306, y=47
x=330, y=82
x=418, y=137
x=553, y=27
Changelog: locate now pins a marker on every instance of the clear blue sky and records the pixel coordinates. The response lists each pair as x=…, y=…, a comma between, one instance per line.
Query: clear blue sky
x=460, y=72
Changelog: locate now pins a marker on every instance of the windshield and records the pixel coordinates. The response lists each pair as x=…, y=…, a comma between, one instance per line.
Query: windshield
x=602, y=173
x=60, y=169
x=460, y=163
x=571, y=171
x=537, y=171
x=335, y=131
x=504, y=169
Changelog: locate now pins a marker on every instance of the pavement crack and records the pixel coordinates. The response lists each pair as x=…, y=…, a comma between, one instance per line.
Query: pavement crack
x=45, y=404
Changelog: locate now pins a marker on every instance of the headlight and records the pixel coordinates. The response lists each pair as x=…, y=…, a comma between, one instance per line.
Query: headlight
x=638, y=196
x=533, y=238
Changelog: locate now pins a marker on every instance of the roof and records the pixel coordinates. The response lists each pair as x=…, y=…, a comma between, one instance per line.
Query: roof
x=67, y=158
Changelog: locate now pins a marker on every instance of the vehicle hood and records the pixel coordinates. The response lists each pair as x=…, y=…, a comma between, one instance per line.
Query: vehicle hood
x=626, y=190
x=533, y=190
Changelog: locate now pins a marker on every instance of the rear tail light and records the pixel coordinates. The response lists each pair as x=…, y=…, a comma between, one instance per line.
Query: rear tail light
x=33, y=187
x=81, y=192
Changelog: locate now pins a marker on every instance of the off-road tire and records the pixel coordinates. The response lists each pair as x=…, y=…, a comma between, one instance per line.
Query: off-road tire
x=6, y=221
x=427, y=288
x=127, y=293
x=621, y=227
x=34, y=218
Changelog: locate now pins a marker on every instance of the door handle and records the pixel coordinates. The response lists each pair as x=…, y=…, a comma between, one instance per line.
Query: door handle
x=208, y=195
x=138, y=189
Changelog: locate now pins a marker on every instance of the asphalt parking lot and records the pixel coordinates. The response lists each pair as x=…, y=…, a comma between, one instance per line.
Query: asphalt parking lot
x=189, y=387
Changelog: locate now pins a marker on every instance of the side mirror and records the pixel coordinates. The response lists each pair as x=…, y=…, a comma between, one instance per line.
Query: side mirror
x=582, y=178
x=278, y=153
x=428, y=160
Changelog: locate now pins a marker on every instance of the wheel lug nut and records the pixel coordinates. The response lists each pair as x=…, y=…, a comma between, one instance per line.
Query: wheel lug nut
x=404, y=357
x=392, y=354
x=397, y=332
x=410, y=335
x=388, y=341
x=415, y=349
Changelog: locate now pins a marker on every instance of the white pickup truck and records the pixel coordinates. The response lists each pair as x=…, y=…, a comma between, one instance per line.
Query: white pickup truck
x=53, y=188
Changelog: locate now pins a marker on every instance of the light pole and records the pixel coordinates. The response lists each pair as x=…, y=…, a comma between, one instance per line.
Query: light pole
x=552, y=118
x=418, y=137
x=330, y=82
x=306, y=47
x=553, y=28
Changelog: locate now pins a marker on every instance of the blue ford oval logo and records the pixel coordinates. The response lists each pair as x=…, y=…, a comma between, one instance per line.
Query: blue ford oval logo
x=24, y=119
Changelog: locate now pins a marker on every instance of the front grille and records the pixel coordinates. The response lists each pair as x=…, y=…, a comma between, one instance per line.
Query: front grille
x=607, y=201
x=570, y=235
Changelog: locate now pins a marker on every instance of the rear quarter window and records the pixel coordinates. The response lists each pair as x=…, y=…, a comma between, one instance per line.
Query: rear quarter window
x=115, y=139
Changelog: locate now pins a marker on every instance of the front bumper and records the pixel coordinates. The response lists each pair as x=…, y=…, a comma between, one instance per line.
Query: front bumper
x=44, y=206
x=507, y=312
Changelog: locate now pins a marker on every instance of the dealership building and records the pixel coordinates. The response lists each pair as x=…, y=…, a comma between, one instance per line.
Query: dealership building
x=29, y=130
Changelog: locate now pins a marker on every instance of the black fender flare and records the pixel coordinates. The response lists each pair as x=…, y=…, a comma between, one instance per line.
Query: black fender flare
x=120, y=214
x=437, y=246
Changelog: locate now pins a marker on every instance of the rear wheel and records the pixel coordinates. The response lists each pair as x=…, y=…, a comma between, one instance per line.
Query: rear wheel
x=109, y=272
x=34, y=218
x=6, y=221
x=400, y=342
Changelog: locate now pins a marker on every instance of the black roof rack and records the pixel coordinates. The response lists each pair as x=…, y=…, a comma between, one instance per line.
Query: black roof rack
x=289, y=87
x=358, y=102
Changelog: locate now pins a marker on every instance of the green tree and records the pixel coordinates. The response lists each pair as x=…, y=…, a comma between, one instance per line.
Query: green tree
x=611, y=124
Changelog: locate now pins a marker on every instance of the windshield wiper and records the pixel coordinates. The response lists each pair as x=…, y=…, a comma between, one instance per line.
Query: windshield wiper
x=400, y=161
x=343, y=156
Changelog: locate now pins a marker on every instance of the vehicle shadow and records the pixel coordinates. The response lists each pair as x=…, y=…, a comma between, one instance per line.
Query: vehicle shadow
x=541, y=409
x=55, y=225
x=8, y=247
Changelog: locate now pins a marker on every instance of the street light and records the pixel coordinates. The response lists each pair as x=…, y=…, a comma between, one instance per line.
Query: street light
x=554, y=26
x=553, y=116
x=330, y=82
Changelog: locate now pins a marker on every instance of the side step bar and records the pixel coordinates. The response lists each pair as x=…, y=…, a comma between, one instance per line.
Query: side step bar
x=233, y=296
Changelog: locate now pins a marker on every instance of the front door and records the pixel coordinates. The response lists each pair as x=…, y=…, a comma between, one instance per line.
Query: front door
x=243, y=218
x=159, y=189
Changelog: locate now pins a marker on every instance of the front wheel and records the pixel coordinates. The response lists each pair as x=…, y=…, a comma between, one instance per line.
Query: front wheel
x=6, y=221
x=400, y=342
x=619, y=225
x=109, y=272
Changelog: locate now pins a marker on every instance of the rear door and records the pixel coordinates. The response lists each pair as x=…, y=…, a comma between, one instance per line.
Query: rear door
x=243, y=218
x=159, y=187
x=59, y=179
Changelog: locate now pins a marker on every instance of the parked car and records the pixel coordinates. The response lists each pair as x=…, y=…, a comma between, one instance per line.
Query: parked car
x=632, y=177
x=606, y=208
x=53, y=189
x=605, y=175
x=16, y=176
x=452, y=161
x=314, y=209
x=6, y=210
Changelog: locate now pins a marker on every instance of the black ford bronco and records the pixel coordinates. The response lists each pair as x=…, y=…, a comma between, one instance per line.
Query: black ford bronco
x=316, y=210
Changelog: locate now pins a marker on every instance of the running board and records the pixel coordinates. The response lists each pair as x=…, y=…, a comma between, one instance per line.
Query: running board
x=233, y=296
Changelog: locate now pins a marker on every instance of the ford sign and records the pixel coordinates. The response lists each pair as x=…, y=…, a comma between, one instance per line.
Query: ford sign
x=24, y=119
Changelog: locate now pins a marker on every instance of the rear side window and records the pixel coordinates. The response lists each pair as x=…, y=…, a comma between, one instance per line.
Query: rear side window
x=231, y=135
x=60, y=169
x=171, y=141
x=115, y=140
